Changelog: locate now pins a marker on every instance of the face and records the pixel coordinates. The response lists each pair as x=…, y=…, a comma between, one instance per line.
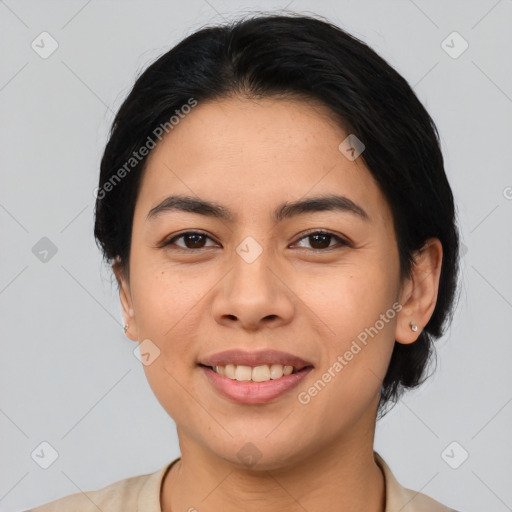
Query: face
x=258, y=281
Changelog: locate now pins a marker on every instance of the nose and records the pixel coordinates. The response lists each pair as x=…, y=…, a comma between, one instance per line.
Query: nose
x=254, y=295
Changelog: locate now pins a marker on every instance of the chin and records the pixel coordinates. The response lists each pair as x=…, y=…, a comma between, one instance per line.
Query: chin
x=261, y=455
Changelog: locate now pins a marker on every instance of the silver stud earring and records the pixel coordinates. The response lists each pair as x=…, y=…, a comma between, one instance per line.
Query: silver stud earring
x=125, y=328
x=414, y=327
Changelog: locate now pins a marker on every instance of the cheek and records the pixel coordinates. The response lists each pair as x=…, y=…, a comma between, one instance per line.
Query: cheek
x=168, y=312
x=356, y=307
x=164, y=300
x=349, y=298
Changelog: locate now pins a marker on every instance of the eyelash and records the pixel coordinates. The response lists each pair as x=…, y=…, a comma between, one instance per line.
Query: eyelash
x=341, y=242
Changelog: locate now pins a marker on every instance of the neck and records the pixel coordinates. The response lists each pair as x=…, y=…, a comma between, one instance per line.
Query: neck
x=341, y=477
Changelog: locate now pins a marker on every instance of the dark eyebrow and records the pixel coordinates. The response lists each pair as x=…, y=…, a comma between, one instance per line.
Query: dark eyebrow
x=284, y=211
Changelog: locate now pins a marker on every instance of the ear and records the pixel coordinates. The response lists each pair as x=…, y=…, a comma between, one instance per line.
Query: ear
x=418, y=295
x=126, y=299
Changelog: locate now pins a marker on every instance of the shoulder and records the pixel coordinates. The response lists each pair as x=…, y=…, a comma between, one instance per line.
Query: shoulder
x=401, y=499
x=120, y=496
x=116, y=496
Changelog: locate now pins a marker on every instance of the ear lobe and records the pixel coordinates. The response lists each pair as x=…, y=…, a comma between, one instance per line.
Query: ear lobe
x=419, y=292
x=125, y=299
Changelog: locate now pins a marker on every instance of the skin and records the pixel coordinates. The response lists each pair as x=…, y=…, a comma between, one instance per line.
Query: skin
x=250, y=156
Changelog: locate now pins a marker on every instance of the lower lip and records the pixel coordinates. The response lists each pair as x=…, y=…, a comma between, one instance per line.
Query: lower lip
x=249, y=392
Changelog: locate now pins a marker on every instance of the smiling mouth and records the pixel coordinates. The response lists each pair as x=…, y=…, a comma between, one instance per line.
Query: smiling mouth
x=261, y=373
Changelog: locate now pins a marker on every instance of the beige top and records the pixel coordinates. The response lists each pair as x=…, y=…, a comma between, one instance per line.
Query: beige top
x=142, y=494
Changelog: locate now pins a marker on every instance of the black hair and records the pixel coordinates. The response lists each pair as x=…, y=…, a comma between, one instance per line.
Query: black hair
x=276, y=55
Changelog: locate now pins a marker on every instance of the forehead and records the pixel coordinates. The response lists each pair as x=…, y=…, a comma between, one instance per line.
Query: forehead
x=250, y=154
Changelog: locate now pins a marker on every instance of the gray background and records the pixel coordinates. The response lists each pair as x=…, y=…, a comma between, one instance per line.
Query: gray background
x=68, y=375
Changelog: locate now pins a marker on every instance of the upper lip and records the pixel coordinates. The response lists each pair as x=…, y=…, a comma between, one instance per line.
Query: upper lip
x=243, y=357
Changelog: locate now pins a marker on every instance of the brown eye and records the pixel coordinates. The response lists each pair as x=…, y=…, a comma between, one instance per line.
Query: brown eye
x=320, y=240
x=194, y=241
x=191, y=240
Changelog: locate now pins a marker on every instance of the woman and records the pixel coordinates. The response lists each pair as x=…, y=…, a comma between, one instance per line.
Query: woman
x=275, y=208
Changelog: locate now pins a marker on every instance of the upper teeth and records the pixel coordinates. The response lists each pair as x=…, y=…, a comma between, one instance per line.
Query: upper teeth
x=256, y=374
